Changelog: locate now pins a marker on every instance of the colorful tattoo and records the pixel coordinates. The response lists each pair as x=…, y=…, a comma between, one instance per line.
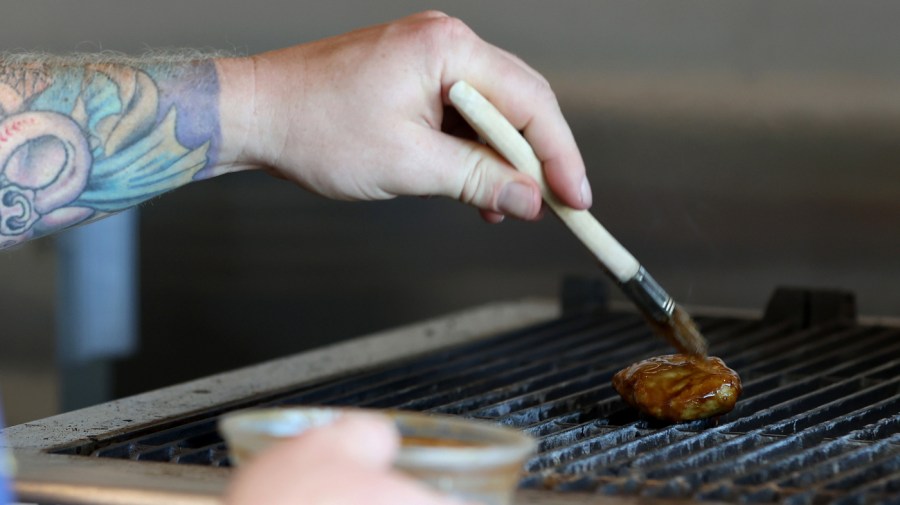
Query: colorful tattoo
x=79, y=141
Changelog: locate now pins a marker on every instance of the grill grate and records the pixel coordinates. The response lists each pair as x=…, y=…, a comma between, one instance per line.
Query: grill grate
x=819, y=420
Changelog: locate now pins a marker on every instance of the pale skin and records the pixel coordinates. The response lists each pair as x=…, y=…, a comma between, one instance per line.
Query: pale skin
x=402, y=72
x=361, y=116
x=347, y=463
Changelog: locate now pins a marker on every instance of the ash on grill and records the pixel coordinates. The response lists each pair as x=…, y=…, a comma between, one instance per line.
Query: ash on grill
x=819, y=420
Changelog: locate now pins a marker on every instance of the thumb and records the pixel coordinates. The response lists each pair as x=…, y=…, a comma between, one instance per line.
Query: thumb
x=475, y=174
x=307, y=464
x=366, y=438
x=369, y=439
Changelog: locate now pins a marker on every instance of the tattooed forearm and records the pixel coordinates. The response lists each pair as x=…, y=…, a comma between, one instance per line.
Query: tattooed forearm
x=84, y=137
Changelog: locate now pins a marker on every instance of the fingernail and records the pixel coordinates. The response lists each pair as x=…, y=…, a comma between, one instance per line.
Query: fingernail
x=516, y=199
x=586, y=197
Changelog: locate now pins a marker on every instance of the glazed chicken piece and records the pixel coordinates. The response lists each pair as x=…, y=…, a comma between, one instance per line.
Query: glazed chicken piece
x=679, y=387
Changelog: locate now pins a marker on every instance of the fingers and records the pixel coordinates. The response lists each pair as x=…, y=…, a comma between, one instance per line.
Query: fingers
x=474, y=174
x=346, y=463
x=365, y=438
x=491, y=216
x=349, y=136
x=528, y=102
x=290, y=469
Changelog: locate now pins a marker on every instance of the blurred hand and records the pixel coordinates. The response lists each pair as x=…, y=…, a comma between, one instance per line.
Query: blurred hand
x=347, y=463
x=364, y=116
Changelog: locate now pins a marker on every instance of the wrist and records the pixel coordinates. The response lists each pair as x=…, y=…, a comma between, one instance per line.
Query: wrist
x=238, y=117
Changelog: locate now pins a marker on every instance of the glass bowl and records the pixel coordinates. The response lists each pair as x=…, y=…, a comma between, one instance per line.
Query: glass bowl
x=471, y=460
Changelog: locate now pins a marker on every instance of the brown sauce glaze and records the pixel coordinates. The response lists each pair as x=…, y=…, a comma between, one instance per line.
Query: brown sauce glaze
x=679, y=387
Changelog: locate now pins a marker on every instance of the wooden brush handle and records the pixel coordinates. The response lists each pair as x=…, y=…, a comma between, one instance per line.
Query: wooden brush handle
x=505, y=139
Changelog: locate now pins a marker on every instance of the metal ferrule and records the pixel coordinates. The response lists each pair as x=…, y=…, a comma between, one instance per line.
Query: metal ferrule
x=649, y=296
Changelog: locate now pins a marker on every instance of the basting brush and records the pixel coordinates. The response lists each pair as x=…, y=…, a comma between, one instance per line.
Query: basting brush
x=666, y=318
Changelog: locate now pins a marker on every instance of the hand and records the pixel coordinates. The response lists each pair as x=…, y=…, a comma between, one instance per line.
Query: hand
x=346, y=463
x=365, y=116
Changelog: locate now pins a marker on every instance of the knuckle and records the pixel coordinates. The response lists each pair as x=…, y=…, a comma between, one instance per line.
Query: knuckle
x=543, y=90
x=432, y=14
x=475, y=179
x=443, y=29
x=437, y=35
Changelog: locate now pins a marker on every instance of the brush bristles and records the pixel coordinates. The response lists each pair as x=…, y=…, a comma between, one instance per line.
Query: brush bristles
x=681, y=331
x=687, y=335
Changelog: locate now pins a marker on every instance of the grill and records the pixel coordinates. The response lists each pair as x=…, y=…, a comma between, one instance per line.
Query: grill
x=819, y=420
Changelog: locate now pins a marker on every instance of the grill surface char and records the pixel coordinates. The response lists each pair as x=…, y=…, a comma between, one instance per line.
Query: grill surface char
x=819, y=420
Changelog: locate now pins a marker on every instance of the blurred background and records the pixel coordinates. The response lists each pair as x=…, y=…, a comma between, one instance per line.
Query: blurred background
x=733, y=147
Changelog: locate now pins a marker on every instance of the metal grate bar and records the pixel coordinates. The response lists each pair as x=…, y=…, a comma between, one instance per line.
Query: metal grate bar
x=837, y=471
x=523, y=405
x=814, y=344
x=886, y=487
x=827, y=459
x=560, y=361
x=818, y=421
x=588, y=357
x=611, y=402
x=449, y=365
x=755, y=448
x=713, y=443
x=793, y=400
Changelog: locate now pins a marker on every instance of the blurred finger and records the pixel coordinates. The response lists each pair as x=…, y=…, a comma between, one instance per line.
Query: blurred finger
x=528, y=102
x=345, y=463
x=366, y=438
x=491, y=217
